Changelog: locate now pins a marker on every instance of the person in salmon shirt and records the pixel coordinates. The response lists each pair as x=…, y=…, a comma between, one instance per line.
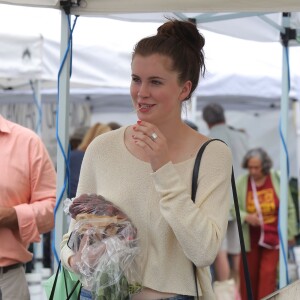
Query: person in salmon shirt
x=27, y=200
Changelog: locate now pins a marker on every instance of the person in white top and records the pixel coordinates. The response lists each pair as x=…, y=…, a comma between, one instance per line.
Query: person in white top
x=146, y=170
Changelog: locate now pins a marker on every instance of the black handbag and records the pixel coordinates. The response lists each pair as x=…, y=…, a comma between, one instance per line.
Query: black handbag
x=238, y=218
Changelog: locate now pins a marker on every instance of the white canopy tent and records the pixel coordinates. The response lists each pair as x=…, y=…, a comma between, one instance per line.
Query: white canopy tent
x=119, y=6
x=21, y=61
x=22, y=58
x=244, y=75
x=235, y=67
x=288, y=26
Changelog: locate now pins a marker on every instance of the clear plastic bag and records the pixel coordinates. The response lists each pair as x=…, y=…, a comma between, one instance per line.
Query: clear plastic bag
x=107, y=243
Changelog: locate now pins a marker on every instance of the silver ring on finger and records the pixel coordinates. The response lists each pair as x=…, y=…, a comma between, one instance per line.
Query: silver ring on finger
x=153, y=136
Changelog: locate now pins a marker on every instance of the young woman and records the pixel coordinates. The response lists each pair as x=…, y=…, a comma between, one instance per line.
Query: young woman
x=146, y=170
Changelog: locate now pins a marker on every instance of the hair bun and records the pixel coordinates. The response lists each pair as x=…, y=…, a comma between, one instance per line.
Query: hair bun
x=185, y=31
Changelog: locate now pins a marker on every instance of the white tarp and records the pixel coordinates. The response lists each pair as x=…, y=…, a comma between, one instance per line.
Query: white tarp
x=21, y=58
x=259, y=26
x=238, y=71
x=122, y=6
x=254, y=19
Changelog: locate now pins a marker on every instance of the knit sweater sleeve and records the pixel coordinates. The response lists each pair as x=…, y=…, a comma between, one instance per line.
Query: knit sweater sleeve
x=199, y=227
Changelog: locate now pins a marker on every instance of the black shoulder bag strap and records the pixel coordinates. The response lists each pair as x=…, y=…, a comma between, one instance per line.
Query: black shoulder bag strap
x=238, y=218
x=69, y=295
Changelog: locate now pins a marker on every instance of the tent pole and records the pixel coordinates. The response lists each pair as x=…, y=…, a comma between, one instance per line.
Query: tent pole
x=62, y=128
x=283, y=171
x=37, y=91
x=297, y=117
x=38, y=247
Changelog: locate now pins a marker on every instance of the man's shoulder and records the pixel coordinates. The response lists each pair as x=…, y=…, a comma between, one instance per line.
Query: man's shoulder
x=239, y=133
x=218, y=130
x=240, y=137
x=17, y=130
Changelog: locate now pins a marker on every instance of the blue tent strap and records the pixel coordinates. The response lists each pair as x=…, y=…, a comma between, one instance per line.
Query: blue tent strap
x=66, y=157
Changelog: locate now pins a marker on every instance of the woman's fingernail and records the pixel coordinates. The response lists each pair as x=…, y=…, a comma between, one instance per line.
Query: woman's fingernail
x=139, y=122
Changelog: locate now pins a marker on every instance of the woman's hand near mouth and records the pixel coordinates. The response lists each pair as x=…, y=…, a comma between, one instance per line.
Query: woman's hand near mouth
x=152, y=141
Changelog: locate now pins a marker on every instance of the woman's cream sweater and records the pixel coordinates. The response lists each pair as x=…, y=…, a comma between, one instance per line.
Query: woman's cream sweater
x=172, y=230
